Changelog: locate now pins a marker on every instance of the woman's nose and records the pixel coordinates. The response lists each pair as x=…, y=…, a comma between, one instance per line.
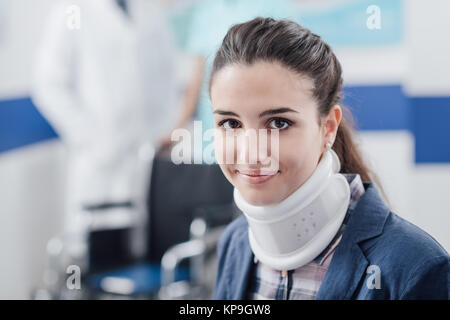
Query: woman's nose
x=255, y=147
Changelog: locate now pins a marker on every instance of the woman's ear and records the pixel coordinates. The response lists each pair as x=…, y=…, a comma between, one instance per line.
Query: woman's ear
x=331, y=123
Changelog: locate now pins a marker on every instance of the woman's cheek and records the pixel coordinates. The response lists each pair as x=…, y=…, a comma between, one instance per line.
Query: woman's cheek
x=224, y=147
x=291, y=147
x=296, y=156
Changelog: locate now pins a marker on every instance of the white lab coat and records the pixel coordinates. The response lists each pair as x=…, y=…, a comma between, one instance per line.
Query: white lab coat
x=108, y=89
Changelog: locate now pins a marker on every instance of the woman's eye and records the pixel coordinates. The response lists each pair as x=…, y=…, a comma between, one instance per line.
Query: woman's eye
x=279, y=123
x=229, y=124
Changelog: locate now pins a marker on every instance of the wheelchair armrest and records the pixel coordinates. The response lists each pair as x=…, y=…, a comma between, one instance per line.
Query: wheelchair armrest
x=175, y=255
x=195, y=249
x=205, y=231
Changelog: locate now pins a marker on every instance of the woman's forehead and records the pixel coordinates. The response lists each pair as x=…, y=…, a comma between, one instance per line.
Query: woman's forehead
x=260, y=86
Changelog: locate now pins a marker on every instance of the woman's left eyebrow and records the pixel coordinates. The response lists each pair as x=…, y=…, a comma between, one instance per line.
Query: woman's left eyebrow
x=276, y=111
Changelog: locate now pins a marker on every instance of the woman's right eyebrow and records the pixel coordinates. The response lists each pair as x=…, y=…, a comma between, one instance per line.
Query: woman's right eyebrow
x=267, y=112
x=226, y=113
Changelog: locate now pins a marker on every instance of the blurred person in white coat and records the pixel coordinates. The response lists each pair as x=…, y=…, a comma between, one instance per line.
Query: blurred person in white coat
x=105, y=80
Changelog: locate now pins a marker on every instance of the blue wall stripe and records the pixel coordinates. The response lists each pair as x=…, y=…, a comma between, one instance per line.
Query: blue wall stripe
x=374, y=108
x=378, y=107
x=21, y=124
x=431, y=127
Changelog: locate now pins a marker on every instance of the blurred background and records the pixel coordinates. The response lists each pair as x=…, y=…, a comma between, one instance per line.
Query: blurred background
x=91, y=205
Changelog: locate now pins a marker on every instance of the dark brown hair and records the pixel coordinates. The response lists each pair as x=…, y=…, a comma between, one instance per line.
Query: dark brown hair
x=300, y=50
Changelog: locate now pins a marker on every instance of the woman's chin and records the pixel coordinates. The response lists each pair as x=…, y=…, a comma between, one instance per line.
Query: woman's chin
x=260, y=197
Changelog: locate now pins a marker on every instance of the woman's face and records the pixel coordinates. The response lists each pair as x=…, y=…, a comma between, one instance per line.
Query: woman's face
x=267, y=95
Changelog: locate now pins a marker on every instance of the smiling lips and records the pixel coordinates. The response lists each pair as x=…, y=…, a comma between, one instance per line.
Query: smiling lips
x=256, y=176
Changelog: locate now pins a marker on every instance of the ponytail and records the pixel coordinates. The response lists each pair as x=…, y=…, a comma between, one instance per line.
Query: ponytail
x=349, y=154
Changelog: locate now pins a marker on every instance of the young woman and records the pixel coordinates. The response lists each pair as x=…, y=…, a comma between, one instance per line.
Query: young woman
x=314, y=225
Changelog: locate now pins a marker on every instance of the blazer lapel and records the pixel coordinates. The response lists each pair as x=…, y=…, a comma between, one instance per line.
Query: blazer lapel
x=240, y=270
x=349, y=264
x=346, y=269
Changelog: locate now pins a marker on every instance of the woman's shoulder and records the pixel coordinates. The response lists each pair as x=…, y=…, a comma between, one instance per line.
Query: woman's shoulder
x=406, y=238
x=388, y=234
x=410, y=260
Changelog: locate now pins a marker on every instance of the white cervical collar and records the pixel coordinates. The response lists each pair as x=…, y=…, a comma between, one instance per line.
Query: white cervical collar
x=293, y=232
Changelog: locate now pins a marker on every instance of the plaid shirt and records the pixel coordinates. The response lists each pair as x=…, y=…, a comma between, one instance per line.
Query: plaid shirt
x=302, y=283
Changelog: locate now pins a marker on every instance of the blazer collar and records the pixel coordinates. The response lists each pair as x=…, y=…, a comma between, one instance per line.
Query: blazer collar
x=348, y=264
x=243, y=257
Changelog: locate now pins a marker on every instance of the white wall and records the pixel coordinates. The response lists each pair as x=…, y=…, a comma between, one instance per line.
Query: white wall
x=31, y=208
x=25, y=19
x=31, y=178
x=427, y=38
x=429, y=75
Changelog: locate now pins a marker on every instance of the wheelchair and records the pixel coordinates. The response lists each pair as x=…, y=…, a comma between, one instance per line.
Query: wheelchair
x=187, y=208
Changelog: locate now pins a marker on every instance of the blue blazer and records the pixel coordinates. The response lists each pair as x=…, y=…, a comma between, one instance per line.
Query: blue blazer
x=411, y=264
